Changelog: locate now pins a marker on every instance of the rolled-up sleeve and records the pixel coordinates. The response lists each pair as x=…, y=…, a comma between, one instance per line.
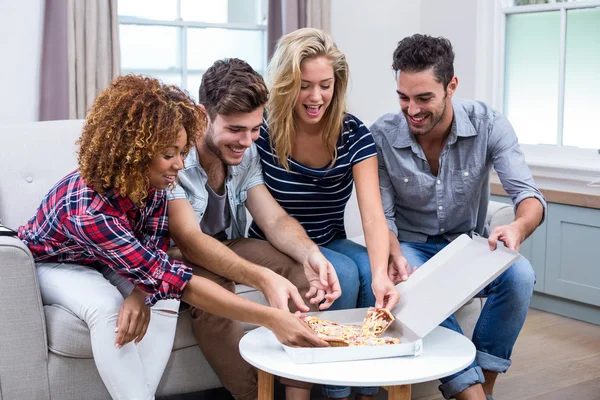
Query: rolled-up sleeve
x=388, y=195
x=255, y=172
x=509, y=162
x=177, y=192
x=145, y=265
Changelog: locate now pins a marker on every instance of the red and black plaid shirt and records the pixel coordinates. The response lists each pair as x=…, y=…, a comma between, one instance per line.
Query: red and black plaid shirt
x=75, y=224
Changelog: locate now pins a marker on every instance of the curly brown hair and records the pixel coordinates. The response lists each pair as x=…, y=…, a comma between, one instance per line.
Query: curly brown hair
x=128, y=123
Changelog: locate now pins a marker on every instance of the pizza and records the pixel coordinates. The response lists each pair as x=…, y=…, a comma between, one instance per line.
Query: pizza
x=377, y=321
x=369, y=333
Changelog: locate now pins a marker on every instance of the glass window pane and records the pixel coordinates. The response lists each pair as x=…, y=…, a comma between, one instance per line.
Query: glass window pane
x=193, y=84
x=149, y=47
x=167, y=77
x=582, y=84
x=531, y=75
x=221, y=11
x=165, y=10
x=509, y=3
x=205, y=46
x=214, y=11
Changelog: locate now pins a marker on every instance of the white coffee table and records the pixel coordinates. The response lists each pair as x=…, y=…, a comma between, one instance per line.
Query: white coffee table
x=444, y=353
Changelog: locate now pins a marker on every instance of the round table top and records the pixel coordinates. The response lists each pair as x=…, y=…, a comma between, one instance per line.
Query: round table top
x=444, y=353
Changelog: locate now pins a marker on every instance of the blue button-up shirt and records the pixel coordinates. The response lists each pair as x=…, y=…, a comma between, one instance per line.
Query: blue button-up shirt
x=418, y=204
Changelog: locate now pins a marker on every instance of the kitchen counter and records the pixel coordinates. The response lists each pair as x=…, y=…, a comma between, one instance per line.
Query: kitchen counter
x=562, y=191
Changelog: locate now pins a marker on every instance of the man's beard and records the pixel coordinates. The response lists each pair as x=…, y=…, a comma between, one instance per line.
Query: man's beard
x=434, y=121
x=210, y=145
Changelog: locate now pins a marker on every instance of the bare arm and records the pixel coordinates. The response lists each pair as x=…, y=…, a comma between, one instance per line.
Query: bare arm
x=509, y=163
x=371, y=214
x=281, y=230
x=213, y=255
x=205, y=251
x=528, y=217
x=212, y=298
x=377, y=234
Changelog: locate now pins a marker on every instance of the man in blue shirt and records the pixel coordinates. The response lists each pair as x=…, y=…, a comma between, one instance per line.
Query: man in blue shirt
x=435, y=157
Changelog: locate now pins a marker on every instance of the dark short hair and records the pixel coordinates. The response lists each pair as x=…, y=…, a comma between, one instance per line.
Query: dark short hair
x=418, y=53
x=232, y=86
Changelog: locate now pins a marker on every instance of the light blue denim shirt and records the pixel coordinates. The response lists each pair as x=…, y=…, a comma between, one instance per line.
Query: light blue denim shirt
x=240, y=178
x=418, y=204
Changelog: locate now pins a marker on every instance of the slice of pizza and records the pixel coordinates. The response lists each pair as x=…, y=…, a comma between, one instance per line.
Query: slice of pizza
x=377, y=321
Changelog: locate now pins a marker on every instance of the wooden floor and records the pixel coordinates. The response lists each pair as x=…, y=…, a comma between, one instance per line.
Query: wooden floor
x=555, y=358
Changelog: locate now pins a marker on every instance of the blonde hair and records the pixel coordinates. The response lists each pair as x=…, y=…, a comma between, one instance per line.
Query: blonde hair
x=284, y=81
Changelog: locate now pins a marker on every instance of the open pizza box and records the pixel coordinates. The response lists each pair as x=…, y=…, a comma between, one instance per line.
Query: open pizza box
x=432, y=293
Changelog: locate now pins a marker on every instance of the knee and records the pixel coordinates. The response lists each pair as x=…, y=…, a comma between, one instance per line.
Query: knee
x=521, y=276
x=102, y=307
x=168, y=307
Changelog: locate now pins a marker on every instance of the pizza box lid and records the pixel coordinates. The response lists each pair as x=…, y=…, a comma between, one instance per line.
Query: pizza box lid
x=434, y=292
x=446, y=282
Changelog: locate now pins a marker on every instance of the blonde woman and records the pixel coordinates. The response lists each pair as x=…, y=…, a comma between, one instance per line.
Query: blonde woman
x=312, y=151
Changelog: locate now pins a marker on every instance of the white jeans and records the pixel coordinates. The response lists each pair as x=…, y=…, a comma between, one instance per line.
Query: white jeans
x=95, y=296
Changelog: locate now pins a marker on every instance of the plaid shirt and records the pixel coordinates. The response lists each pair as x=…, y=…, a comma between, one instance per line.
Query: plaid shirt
x=75, y=224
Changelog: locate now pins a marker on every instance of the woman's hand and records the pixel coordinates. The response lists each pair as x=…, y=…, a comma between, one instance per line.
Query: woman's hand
x=386, y=295
x=133, y=320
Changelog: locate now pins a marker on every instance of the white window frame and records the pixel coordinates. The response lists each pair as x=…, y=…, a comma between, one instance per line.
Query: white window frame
x=557, y=161
x=185, y=25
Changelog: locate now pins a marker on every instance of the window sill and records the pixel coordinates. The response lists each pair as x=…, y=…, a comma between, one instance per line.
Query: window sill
x=563, y=162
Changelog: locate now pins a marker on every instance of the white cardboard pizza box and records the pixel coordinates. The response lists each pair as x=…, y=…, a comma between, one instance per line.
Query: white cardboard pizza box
x=433, y=293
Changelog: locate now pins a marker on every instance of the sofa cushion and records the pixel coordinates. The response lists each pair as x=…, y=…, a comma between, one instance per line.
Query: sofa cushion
x=69, y=336
x=34, y=157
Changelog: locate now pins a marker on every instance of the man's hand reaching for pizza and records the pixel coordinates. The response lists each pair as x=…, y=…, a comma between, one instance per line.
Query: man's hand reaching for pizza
x=398, y=269
x=322, y=279
x=279, y=290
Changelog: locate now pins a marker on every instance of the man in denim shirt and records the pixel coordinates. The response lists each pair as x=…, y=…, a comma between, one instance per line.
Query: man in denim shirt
x=207, y=221
x=435, y=160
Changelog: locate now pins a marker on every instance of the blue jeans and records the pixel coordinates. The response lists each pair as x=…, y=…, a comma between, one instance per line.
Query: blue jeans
x=351, y=263
x=499, y=324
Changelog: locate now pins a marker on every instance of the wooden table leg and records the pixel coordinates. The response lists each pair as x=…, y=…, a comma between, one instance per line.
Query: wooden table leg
x=265, y=385
x=401, y=392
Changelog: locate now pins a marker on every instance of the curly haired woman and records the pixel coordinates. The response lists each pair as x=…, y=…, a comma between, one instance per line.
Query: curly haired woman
x=99, y=238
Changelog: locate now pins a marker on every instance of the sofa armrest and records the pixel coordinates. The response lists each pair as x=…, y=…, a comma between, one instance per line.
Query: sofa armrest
x=499, y=214
x=23, y=342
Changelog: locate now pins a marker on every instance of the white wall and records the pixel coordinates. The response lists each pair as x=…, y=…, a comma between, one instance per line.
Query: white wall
x=367, y=32
x=20, y=47
x=455, y=20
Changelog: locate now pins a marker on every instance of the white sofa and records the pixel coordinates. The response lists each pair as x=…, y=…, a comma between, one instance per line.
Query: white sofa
x=45, y=351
